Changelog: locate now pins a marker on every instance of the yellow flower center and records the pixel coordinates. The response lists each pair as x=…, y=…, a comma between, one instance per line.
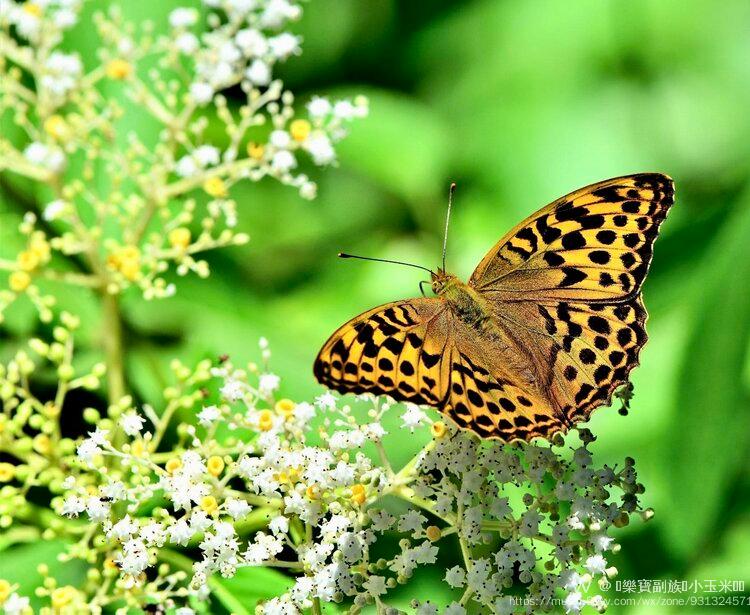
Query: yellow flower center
x=5, y=590
x=438, y=429
x=299, y=129
x=56, y=127
x=215, y=187
x=42, y=444
x=173, y=465
x=358, y=494
x=119, y=69
x=215, y=465
x=265, y=420
x=126, y=260
x=255, y=151
x=19, y=281
x=40, y=246
x=27, y=260
x=285, y=407
x=137, y=449
x=313, y=492
x=63, y=596
x=7, y=472
x=179, y=238
x=32, y=9
x=209, y=504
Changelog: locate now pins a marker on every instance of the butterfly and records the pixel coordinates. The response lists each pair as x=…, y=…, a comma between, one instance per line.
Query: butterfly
x=548, y=326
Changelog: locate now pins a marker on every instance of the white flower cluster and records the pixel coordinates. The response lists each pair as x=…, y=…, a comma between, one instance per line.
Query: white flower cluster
x=557, y=541
x=526, y=518
x=167, y=197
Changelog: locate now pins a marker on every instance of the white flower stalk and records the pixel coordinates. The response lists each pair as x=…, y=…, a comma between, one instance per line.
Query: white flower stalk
x=171, y=201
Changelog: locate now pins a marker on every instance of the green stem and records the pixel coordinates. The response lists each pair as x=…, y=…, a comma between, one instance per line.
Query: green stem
x=113, y=351
x=181, y=562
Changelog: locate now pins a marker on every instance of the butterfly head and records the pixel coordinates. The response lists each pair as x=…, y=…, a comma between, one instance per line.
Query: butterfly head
x=441, y=281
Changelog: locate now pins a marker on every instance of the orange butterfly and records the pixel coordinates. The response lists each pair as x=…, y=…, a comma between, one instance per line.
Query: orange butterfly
x=549, y=325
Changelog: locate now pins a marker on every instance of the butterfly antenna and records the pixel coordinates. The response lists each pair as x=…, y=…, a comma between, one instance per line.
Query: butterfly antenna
x=384, y=260
x=447, y=220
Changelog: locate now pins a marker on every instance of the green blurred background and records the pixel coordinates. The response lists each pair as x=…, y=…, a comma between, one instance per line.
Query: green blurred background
x=519, y=103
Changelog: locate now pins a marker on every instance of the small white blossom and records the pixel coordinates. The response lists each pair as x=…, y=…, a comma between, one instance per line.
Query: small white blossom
x=319, y=146
x=455, y=577
x=268, y=383
x=326, y=401
x=251, y=42
x=132, y=423
x=180, y=533
x=413, y=417
x=280, y=139
x=187, y=43
x=73, y=506
x=183, y=17
x=319, y=107
x=237, y=508
x=284, y=45
x=574, y=602
x=258, y=73
x=279, y=525
x=16, y=605
x=596, y=564
x=201, y=92
x=50, y=157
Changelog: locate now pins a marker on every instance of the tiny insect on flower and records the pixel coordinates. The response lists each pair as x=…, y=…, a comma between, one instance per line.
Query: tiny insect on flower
x=119, y=69
x=215, y=465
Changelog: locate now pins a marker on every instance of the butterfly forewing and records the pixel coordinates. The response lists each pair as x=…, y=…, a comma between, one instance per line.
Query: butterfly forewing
x=593, y=244
x=397, y=349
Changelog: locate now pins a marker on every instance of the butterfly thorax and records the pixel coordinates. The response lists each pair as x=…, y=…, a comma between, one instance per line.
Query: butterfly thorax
x=464, y=301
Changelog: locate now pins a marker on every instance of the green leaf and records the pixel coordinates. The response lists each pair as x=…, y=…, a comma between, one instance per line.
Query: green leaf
x=19, y=564
x=402, y=144
x=241, y=594
x=711, y=431
x=730, y=561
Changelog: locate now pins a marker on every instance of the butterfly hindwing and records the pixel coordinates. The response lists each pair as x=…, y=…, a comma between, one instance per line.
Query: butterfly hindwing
x=488, y=398
x=593, y=244
x=579, y=352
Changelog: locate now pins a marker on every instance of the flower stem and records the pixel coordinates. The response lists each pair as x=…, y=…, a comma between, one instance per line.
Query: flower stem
x=113, y=352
